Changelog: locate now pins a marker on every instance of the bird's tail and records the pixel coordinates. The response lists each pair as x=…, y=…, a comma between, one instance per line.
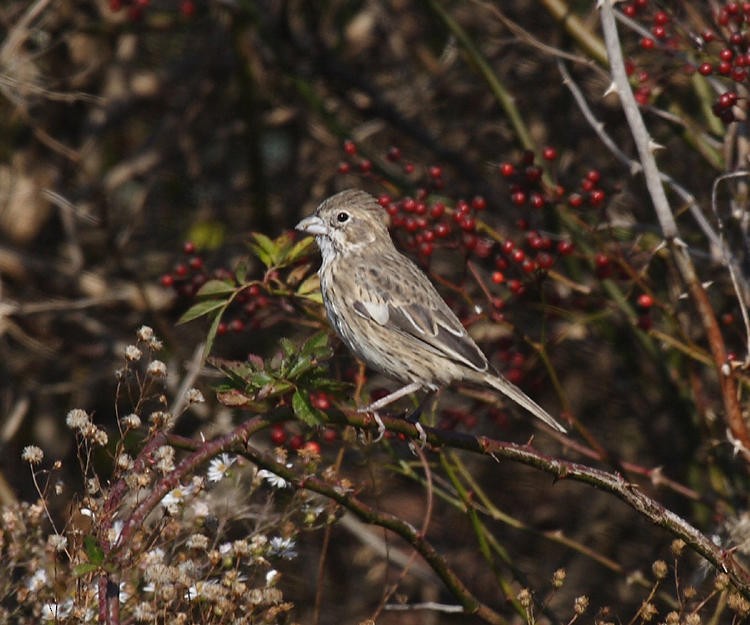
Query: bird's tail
x=522, y=399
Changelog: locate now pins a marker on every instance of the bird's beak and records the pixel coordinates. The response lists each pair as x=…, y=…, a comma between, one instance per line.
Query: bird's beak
x=312, y=225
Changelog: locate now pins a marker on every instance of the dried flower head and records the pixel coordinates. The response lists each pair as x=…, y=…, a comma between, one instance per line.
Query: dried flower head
x=77, y=419
x=32, y=454
x=660, y=569
x=145, y=334
x=157, y=369
x=580, y=604
x=132, y=353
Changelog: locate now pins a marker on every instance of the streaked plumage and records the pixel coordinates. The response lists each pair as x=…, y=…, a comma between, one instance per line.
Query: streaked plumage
x=387, y=311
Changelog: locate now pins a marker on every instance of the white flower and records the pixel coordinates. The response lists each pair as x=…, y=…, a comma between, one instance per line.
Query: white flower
x=132, y=353
x=194, y=396
x=77, y=419
x=201, y=589
x=201, y=509
x=175, y=498
x=57, y=612
x=58, y=542
x=131, y=421
x=37, y=581
x=274, y=480
x=32, y=454
x=145, y=333
x=272, y=577
x=219, y=467
x=282, y=547
x=157, y=369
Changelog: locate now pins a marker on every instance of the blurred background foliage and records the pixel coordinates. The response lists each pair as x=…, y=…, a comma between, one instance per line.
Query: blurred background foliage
x=129, y=128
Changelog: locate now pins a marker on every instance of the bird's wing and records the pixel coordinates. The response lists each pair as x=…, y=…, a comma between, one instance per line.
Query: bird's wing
x=396, y=294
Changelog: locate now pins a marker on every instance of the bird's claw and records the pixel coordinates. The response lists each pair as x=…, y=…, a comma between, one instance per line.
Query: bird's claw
x=422, y=438
x=378, y=421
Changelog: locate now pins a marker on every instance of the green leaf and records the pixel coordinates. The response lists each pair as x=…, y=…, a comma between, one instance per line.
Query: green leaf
x=264, y=248
x=317, y=346
x=216, y=287
x=94, y=552
x=303, y=364
x=207, y=235
x=309, y=288
x=84, y=569
x=201, y=309
x=304, y=410
x=240, y=271
x=300, y=249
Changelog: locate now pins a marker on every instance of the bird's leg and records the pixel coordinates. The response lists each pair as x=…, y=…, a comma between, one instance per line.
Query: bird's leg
x=391, y=397
x=413, y=416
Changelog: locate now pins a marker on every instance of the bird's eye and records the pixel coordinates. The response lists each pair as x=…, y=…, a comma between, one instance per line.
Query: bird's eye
x=342, y=217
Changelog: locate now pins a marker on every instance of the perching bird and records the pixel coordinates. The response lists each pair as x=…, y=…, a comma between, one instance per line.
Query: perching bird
x=387, y=311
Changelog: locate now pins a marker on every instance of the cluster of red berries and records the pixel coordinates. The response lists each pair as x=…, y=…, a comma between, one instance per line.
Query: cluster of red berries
x=190, y=274
x=287, y=435
x=136, y=8
x=725, y=51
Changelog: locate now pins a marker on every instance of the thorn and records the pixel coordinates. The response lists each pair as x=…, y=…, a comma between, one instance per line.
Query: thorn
x=653, y=146
x=611, y=89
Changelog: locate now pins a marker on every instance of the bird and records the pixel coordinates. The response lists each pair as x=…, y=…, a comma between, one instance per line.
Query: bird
x=388, y=313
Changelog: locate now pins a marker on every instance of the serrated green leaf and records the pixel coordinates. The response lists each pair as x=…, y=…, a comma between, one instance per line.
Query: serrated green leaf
x=304, y=410
x=201, y=309
x=287, y=347
x=216, y=287
x=94, y=552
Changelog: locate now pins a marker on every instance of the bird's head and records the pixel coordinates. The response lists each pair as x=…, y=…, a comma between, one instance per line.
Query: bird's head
x=345, y=223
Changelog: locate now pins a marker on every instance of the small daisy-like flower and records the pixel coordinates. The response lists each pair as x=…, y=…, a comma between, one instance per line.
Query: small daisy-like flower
x=157, y=369
x=175, y=498
x=282, y=547
x=219, y=467
x=77, y=419
x=161, y=419
x=145, y=333
x=58, y=542
x=194, y=396
x=131, y=421
x=132, y=353
x=32, y=454
x=274, y=480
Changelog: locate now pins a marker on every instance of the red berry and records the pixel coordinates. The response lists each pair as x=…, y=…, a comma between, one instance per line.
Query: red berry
x=468, y=224
x=507, y=170
x=533, y=173
x=278, y=435
x=660, y=17
x=196, y=262
x=408, y=204
x=470, y=241
x=536, y=200
x=645, y=300
x=365, y=166
x=484, y=247
x=188, y=247
x=508, y=246
x=596, y=197
x=601, y=260
x=549, y=153
x=435, y=172
x=594, y=175
x=544, y=260
x=394, y=154
x=236, y=325
x=187, y=8
x=329, y=435
x=384, y=200
x=518, y=198
x=167, y=280
x=409, y=168
x=180, y=270
x=222, y=328
x=478, y=203
x=629, y=10
x=647, y=43
x=426, y=248
x=350, y=147
x=659, y=31
x=498, y=277
x=727, y=54
x=437, y=210
x=724, y=68
x=575, y=200
x=296, y=442
x=344, y=168
x=442, y=230
x=705, y=69
x=518, y=255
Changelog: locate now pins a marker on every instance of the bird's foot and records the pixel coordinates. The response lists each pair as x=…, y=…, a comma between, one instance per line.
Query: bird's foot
x=422, y=439
x=378, y=420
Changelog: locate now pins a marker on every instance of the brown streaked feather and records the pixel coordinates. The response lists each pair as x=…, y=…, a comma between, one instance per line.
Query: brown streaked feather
x=417, y=312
